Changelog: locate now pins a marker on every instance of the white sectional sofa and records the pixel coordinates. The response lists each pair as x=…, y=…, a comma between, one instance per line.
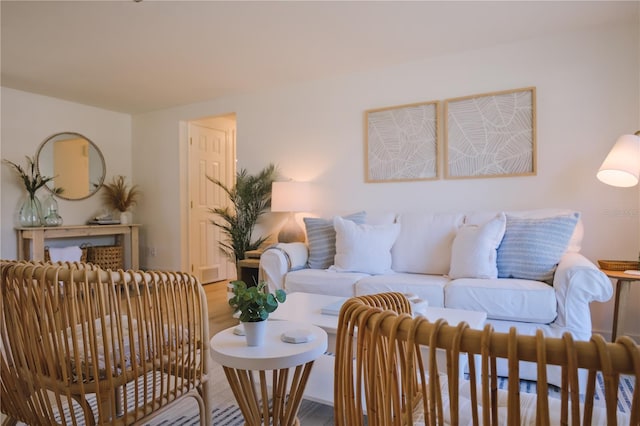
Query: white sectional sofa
x=523, y=268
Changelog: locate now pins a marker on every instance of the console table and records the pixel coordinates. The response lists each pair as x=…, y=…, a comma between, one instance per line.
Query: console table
x=31, y=240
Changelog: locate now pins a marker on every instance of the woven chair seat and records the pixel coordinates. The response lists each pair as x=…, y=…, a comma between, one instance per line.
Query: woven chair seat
x=120, y=356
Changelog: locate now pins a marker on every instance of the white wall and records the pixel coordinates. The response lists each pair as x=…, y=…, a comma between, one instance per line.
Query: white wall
x=587, y=95
x=29, y=119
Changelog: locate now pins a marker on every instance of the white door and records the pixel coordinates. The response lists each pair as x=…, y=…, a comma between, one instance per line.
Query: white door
x=208, y=156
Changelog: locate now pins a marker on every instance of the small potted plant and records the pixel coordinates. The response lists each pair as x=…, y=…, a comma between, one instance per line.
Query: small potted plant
x=255, y=303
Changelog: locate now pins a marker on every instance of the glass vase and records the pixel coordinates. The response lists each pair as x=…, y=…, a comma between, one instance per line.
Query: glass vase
x=50, y=215
x=31, y=212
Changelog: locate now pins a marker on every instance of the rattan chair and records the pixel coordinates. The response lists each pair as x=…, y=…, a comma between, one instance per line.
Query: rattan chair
x=349, y=401
x=382, y=364
x=81, y=345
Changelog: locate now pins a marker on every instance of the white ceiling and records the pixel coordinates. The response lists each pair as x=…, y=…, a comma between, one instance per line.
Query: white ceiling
x=137, y=57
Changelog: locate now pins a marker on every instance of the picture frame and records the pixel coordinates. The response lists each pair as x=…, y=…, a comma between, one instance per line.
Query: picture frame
x=490, y=135
x=402, y=142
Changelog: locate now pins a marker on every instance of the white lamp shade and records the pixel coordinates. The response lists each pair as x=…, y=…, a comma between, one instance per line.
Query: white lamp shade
x=290, y=197
x=622, y=165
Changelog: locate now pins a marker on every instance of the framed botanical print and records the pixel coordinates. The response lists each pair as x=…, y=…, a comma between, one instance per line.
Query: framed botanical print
x=491, y=135
x=401, y=143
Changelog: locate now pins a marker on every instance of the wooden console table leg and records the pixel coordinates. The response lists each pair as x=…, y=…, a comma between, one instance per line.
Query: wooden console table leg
x=38, y=247
x=22, y=249
x=135, y=260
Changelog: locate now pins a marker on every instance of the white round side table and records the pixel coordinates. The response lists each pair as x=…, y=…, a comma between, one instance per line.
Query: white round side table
x=241, y=364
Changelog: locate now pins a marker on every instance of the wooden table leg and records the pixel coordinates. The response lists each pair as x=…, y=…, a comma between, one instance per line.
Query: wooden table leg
x=254, y=403
x=622, y=294
x=300, y=378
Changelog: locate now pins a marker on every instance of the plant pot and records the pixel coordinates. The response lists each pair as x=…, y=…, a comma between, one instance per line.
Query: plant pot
x=255, y=332
x=126, y=217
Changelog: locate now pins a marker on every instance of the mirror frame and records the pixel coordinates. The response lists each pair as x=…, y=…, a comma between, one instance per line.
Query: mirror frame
x=104, y=166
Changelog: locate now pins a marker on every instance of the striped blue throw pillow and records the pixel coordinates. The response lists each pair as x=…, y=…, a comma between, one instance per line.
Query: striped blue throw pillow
x=532, y=248
x=322, y=239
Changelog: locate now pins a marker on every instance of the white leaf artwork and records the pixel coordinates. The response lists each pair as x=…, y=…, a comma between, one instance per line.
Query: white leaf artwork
x=491, y=135
x=402, y=143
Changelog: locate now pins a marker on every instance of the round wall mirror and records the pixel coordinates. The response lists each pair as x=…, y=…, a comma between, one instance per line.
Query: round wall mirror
x=75, y=163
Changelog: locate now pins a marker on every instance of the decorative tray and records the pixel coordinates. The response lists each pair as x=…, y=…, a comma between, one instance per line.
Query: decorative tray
x=618, y=265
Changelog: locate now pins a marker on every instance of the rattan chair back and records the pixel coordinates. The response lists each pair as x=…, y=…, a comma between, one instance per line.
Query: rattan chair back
x=349, y=401
x=381, y=361
x=81, y=345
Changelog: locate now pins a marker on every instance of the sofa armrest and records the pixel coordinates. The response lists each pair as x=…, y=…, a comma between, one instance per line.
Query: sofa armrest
x=279, y=259
x=577, y=283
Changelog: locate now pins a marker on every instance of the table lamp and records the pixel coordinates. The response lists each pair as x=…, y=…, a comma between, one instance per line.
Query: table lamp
x=622, y=165
x=622, y=168
x=290, y=197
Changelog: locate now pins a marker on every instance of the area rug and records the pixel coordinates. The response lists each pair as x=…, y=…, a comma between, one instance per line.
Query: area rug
x=227, y=413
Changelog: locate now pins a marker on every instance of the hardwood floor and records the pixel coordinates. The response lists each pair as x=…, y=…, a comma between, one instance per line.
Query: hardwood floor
x=220, y=313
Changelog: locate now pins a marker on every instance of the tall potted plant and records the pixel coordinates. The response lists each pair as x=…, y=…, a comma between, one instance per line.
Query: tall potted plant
x=255, y=303
x=250, y=198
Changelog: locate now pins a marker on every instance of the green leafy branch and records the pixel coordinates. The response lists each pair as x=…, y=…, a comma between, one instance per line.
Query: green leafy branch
x=32, y=180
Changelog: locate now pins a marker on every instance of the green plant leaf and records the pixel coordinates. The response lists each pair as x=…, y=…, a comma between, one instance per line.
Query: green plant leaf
x=281, y=295
x=271, y=304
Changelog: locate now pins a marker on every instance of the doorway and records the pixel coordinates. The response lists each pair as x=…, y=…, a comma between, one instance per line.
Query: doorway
x=212, y=149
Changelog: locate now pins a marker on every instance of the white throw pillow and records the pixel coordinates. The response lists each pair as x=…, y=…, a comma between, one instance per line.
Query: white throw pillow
x=474, y=249
x=424, y=243
x=363, y=248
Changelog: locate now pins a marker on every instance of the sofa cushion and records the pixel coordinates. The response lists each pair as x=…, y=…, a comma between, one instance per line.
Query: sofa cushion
x=532, y=248
x=321, y=237
x=425, y=287
x=503, y=299
x=322, y=281
x=363, y=248
x=424, y=243
x=474, y=250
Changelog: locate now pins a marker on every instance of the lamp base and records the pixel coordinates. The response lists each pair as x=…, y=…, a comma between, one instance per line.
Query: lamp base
x=291, y=232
